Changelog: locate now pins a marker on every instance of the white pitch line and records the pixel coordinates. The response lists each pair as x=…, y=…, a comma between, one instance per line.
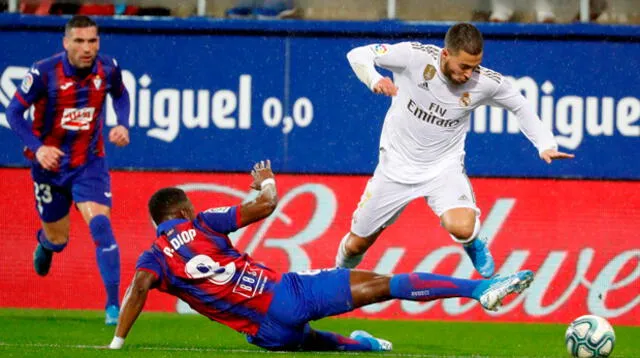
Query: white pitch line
x=225, y=350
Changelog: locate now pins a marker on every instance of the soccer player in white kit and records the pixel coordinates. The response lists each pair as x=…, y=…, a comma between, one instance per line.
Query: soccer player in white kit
x=422, y=152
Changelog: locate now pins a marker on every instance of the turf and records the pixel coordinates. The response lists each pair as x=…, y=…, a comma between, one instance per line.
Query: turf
x=47, y=333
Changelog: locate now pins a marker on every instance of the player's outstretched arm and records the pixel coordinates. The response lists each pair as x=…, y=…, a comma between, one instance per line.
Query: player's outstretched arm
x=132, y=305
x=265, y=203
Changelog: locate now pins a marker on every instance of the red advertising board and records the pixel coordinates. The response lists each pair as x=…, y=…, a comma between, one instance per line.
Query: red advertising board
x=580, y=237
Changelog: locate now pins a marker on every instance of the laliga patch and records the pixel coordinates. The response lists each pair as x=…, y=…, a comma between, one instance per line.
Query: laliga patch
x=380, y=49
x=77, y=119
x=223, y=209
x=27, y=82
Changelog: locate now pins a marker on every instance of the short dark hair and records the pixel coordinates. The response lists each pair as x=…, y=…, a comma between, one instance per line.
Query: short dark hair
x=79, y=21
x=464, y=36
x=165, y=202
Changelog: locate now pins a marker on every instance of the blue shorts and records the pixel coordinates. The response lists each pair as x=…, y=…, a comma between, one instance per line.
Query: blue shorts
x=299, y=298
x=55, y=191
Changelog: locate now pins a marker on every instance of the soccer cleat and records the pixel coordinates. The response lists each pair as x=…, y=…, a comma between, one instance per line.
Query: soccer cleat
x=111, y=315
x=42, y=260
x=377, y=344
x=480, y=257
x=491, y=292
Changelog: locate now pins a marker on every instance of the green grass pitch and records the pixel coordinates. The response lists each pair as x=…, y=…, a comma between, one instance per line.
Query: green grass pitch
x=48, y=333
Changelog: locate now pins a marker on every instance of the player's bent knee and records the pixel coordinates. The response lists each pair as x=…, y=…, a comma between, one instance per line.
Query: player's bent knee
x=464, y=232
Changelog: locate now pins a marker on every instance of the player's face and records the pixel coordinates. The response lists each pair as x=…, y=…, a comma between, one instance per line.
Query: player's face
x=82, y=44
x=460, y=66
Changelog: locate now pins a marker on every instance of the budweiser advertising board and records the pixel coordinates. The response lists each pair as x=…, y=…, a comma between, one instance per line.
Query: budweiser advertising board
x=580, y=237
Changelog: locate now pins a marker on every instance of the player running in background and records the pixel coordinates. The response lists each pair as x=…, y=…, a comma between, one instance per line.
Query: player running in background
x=66, y=146
x=192, y=258
x=422, y=142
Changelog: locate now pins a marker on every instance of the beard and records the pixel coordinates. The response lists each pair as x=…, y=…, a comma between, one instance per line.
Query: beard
x=448, y=74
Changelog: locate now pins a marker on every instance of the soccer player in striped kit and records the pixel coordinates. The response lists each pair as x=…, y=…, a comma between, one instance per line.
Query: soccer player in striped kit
x=66, y=147
x=192, y=258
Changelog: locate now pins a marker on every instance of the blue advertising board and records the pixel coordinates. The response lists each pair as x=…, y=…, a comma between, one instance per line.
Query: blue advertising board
x=216, y=95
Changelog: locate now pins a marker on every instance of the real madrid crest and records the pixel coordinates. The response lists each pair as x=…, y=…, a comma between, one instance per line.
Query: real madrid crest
x=465, y=99
x=429, y=72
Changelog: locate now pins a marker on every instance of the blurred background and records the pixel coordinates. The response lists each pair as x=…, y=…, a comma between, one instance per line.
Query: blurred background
x=526, y=11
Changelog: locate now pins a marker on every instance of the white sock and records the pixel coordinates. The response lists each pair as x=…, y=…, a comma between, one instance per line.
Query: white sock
x=343, y=260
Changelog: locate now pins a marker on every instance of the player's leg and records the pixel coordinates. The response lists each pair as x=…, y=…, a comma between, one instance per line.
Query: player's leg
x=369, y=287
x=97, y=216
x=52, y=238
x=304, y=296
x=92, y=194
x=380, y=205
x=359, y=341
x=451, y=197
x=353, y=247
x=52, y=203
x=320, y=293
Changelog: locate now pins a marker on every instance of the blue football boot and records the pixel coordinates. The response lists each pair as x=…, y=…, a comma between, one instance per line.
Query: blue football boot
x=111, y=315
x=377, y=344
x=491, y=292
x=480, y=257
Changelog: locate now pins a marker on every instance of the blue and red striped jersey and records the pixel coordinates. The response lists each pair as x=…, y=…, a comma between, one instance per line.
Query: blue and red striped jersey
x=69, y=110
x=196, y=261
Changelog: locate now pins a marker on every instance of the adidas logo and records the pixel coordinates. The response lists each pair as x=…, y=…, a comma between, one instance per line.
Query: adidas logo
x=463, y=197
x=424, y=86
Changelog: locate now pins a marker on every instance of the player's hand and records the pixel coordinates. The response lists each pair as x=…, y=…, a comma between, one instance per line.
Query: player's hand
x=260, y=172
x=386, y=87
x=119, y=135
x=552, y=154
x=49, y=157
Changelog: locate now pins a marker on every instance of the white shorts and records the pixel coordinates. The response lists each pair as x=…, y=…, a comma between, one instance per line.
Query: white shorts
x=384, y=199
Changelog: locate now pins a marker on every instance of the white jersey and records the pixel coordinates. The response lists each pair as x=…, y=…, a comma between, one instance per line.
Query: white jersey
x=428, y=120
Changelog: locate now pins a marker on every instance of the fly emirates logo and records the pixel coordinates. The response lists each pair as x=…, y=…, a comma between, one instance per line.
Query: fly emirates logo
x=165, y=112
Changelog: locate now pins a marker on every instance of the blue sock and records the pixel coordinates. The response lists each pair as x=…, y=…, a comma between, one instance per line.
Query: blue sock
x=107, y=255
x=419, y=286
x=329, y=341
x=42, y=240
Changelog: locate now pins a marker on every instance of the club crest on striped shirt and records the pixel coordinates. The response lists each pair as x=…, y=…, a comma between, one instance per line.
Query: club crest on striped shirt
x=97, y=82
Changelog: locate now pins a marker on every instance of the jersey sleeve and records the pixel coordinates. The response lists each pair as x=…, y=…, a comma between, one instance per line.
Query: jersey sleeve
x=391, y=57
x=121, y=101
x=32, y=88
x=223, y=220
x=148, y=262
x=117, y=86
x=506, y=96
